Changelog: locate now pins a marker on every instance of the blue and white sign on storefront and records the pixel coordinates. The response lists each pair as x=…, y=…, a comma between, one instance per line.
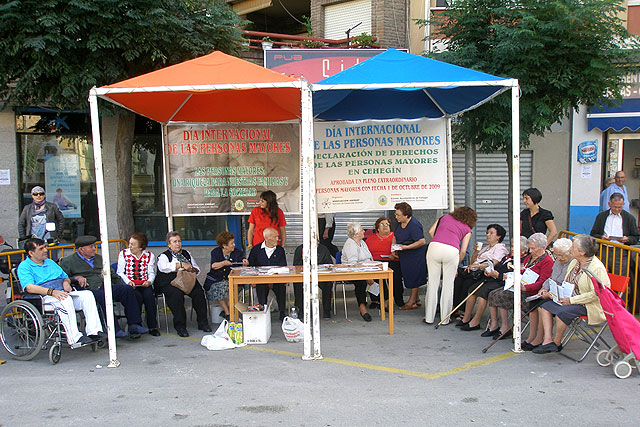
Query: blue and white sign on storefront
x=587, y=152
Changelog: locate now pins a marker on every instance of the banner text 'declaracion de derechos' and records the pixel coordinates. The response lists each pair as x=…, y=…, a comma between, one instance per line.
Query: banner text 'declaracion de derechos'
x=371, y=165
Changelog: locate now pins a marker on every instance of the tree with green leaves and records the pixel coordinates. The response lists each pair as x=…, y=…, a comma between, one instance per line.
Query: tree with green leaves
x=54, y=51
x=564, y=53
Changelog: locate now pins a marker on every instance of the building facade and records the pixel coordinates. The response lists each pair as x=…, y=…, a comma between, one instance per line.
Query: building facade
x=32, y=137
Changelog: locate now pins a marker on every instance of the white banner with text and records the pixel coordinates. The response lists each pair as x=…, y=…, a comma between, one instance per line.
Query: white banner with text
x=374, y=164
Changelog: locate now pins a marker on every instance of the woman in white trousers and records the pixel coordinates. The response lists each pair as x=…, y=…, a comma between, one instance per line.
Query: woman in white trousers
x=451, y=234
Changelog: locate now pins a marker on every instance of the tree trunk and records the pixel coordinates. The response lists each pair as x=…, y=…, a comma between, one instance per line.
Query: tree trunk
x=124, y=147
x=470, y=180
x=510, y=198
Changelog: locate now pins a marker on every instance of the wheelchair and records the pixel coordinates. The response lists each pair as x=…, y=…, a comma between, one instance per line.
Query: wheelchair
x=27, y=326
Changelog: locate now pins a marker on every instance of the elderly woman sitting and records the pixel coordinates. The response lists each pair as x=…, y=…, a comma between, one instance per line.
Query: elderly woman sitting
x=583, y=302
x=561, y=251
x=355, y=251
x=494, y=279
x=170, y=262
x=470, y=277
x=540, y=263
x=223, y=257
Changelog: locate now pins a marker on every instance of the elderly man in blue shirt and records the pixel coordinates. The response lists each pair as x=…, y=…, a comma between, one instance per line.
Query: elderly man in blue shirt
x=40, y=276
x=617, y=187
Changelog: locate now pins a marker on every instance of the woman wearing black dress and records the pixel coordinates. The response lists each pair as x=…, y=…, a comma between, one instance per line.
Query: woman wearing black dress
x=534, y=219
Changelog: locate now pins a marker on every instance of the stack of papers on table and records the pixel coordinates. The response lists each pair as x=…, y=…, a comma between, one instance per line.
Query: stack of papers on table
x=274, y=270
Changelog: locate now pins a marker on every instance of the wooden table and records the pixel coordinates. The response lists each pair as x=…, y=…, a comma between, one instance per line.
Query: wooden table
x=235, y=279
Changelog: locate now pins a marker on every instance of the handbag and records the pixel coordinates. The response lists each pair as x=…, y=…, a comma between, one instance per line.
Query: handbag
x=473, y=274
x=185, y=281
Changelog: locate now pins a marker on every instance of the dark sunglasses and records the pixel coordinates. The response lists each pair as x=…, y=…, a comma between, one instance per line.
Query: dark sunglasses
x=37, y=194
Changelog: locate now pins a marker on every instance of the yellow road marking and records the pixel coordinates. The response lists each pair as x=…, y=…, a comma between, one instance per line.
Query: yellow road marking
x=426, y=375
x=430, y=376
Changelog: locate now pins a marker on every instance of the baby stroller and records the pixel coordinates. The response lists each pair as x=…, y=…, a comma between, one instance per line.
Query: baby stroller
x=625, y=329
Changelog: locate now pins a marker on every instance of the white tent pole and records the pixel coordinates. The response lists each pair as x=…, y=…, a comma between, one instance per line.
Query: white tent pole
x=165, y=179
x=104, y=235
x=450, y=164
x=309, y=233
x=515, y=226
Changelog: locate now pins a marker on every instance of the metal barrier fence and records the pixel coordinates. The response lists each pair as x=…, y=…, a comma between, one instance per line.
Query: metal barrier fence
x=9, y=260
x=621, y=260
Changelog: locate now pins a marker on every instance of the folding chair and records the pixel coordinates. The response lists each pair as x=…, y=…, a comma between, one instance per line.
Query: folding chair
x=592, y=334
x=160, y=296
x=344, y=293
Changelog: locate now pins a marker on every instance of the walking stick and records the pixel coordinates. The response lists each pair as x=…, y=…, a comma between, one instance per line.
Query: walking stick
x=484, y=350
x=458, y=306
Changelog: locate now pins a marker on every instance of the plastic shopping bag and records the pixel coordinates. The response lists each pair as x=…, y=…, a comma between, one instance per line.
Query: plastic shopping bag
x=220, y=339
x=293, y=329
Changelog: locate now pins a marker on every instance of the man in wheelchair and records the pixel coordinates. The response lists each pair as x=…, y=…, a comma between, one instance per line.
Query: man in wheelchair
x=84, y=267
x=41, y=276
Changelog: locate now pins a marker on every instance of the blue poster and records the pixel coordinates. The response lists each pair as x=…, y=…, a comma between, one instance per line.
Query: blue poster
x=587, y=152
x=62, y=183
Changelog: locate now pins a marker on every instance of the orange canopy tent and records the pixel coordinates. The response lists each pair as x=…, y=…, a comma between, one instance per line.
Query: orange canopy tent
x=217, y=88
x=212, y=88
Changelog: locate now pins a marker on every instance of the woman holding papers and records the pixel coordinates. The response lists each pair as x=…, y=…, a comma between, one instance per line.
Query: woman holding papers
x=561, y=252
x=578, y=297
x=409, y=245
x=535, y=269
x=216, y=285
x=355, y=251
x=495, y=281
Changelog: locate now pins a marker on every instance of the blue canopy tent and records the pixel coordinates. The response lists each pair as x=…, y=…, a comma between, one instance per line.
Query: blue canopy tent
x=406, y=86
x=398, y=85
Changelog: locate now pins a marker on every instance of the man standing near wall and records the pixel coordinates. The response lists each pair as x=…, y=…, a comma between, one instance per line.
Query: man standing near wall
x=617, y=187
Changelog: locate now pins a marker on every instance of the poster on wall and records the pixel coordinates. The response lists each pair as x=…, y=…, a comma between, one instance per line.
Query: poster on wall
x=374, y=164
x=221, y=168
x=62, y=183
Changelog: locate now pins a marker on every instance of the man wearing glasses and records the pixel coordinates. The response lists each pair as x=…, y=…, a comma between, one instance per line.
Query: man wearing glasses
x=40, y=219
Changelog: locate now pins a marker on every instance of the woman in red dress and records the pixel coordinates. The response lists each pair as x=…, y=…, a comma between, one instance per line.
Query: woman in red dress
x=266, y=215
x=379, y=244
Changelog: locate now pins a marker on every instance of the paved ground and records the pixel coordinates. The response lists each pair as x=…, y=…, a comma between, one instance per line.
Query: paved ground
x=419, y=376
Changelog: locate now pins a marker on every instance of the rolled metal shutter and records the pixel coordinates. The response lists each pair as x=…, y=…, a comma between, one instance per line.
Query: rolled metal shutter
x=338, y=18
x=366, y=219
x=492, y=184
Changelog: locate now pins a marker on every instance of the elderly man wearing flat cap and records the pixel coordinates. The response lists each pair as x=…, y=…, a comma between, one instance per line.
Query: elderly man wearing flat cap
x=84, y=268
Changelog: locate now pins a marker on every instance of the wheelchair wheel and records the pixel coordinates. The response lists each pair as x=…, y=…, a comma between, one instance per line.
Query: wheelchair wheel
x=21, y=330
x=54, y=353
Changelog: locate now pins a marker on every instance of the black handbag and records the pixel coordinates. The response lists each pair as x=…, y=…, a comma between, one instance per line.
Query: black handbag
x=473, y=274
